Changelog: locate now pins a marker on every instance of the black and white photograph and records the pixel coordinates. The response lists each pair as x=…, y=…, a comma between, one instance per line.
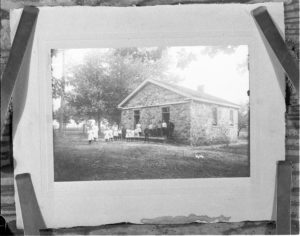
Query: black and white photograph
x=150, y=112
x=149, y=118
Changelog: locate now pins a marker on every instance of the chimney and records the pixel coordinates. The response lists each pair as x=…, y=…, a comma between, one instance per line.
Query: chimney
x=200, y=88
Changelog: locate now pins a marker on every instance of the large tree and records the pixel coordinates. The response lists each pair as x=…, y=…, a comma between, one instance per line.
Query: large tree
x=59, y=83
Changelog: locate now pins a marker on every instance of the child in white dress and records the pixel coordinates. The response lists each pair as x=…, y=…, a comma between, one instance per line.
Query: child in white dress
x=111, y=135
x=115, y=132
x=95, y=132
x=106, y=135
x=139, y=128
x=90, y=134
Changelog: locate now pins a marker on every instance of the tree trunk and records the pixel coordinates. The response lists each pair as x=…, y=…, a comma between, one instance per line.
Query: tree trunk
x=83, y=128
x=98, y=122
x=239, y=130
x=61, y=115
x=62, y=101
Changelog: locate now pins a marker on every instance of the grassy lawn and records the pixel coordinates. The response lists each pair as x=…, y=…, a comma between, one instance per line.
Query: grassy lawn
x=76, y=160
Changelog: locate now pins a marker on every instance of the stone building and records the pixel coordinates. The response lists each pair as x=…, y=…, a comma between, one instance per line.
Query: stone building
x=199, y=118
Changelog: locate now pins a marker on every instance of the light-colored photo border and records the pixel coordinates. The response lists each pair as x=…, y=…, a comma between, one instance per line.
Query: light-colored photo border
x=66, y=204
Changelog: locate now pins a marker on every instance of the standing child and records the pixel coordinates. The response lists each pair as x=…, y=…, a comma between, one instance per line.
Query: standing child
x=146, y=132
x=150, y=128
x=119, y=134
x=164, y=128
x=90, y=133
x=106, y=135
x=123, y=132
x=116, y=133
x=111, y=134
x=95, y=132
x=139, y=128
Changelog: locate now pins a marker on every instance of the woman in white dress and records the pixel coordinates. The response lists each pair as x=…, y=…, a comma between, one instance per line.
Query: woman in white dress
x=95, y=132
x=139, y=128
x=90, y=133
x=106, y=135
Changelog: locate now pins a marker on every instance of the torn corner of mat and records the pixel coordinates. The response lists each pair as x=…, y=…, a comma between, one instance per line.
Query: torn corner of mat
x=192, y=218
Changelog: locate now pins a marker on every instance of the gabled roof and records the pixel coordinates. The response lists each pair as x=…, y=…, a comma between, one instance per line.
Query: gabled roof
x=187, y=93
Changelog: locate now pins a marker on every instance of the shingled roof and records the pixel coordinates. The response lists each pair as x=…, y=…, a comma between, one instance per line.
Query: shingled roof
x=186, y=92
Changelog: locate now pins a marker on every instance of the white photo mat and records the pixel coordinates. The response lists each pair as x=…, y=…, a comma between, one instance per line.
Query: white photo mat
x=67, y=204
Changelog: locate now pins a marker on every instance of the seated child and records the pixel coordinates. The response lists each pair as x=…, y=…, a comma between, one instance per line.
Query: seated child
x=137, y=133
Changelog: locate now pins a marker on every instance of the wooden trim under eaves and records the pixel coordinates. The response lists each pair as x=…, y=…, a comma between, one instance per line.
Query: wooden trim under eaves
x=156, y=105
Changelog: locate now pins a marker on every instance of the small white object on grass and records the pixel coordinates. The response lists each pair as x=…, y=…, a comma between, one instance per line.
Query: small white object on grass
x=199, y=155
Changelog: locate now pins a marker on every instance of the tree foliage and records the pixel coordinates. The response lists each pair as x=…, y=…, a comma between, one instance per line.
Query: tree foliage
x=243, y=117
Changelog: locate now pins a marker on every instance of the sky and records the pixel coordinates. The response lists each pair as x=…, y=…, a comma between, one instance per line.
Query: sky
x=222, y=70
x=223, y=74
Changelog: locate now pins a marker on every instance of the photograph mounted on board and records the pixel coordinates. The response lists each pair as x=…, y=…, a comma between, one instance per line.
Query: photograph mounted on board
x=150, y=112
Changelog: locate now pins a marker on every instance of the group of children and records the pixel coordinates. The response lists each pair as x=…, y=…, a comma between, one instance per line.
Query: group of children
x=114, y=132
x=133, y=133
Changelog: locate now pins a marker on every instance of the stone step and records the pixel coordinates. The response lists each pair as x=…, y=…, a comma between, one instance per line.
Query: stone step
x=295, y=191
x=7, y=172
x=7, y=180
x=7, y=212
x=292, y=141
x=7, y=190
x=295, y=180
x=296, y=167
x=293, y=112
x=294, y=108
x=5, y=139
x=8, y=207
x=5, y=148
x=292, y=132
x=7, y=199
x=292, y=152
x=295, y=216
x=295, y=201
x=295, y=227
x=292, y=116
x=9, y=218
x=292, y=147
x=290, y=123
x=294, y=159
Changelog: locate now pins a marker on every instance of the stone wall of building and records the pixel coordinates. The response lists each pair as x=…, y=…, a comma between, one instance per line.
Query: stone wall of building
x=203, y=131
x=179, y=116
x=127, y=119
x=291, y=20
x=152, y=94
